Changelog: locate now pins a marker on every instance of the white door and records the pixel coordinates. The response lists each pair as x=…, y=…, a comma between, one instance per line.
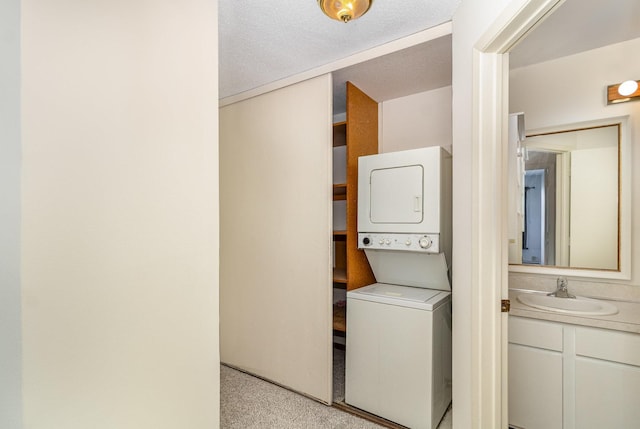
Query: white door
x=396, y=194
x=275, y=232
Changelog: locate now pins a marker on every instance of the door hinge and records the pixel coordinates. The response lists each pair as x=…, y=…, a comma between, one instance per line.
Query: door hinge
x=505, y=306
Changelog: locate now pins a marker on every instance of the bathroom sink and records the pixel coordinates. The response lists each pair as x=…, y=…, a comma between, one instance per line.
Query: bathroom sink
x=578, y=305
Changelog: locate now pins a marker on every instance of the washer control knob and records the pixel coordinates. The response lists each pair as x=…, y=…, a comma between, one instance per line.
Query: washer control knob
x=425, y=242
x=366, y=241
x=408, y=242
x=381, y=242
x=387, y=242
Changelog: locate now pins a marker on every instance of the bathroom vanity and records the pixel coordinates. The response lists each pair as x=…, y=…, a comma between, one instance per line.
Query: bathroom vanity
x=574, y=372
x=571, y=177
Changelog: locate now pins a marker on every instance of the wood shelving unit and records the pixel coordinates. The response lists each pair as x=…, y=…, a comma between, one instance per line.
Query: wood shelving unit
x=360, y=135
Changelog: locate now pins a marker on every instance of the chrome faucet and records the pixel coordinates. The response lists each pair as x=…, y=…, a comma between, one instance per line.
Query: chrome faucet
x=561, y=289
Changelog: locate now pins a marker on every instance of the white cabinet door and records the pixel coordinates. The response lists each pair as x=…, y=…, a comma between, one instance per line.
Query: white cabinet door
x=535, y=388
x=607, y=395
x=607, y=379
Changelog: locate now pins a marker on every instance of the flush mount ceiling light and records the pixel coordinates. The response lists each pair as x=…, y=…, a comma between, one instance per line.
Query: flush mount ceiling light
x=625, y=91
x=344, y=10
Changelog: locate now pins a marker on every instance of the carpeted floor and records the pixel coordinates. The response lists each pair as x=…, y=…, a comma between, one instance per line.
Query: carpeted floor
x=247, y=402
x=338, y=374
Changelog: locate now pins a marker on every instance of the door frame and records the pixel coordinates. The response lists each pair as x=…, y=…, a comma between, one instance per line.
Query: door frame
x=489, y=371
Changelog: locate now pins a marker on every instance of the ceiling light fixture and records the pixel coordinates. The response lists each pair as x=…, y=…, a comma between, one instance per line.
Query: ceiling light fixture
x=344, y=10
x=625, y=91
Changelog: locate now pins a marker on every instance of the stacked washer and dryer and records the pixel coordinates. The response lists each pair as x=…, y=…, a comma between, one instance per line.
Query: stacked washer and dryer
x=398, y=355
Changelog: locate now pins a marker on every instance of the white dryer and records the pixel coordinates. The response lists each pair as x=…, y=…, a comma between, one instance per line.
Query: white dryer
x=398, y=348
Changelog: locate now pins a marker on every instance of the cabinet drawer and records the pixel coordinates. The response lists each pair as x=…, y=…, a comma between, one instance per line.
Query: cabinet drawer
x=535, y=333
x=622, y=347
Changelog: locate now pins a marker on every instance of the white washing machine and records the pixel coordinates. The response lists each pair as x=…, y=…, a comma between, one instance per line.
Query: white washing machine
x=399, y=353
x=398, y=347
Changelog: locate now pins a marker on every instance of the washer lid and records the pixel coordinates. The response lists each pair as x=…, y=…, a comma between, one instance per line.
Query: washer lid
x=406, y=296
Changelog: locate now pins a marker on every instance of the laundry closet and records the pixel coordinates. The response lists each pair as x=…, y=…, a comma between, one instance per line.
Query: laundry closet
x=288, y=180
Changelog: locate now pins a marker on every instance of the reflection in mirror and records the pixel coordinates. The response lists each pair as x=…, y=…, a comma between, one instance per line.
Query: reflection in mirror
x=567, y=207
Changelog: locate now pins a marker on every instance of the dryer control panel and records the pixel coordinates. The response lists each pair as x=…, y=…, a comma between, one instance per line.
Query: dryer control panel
x=428, y=243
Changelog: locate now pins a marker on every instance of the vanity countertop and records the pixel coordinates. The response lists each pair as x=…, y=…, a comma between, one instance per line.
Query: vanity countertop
x=627, y=319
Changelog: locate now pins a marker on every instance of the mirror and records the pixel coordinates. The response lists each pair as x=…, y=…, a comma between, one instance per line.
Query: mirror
x=558, y=76
x=570, y=201
x=567, y=205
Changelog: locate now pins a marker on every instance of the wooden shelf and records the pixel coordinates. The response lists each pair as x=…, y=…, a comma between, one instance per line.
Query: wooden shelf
x=339, y=275
x=340, y=134
x=339, y=318
x=360, y=135
x=339, y=192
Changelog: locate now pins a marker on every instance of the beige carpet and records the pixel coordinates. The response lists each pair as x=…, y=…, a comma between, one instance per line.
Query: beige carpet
x=248, y=402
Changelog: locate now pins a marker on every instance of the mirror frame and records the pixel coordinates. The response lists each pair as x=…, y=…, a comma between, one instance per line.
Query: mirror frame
x=624, y=207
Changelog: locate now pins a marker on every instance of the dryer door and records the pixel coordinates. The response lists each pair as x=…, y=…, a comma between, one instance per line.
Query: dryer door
x=396, y=195
x=402, y=191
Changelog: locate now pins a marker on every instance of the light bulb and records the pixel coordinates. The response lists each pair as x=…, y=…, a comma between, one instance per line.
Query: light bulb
x=627, y=88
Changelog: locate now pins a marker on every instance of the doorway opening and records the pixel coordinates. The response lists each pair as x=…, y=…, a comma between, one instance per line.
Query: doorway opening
x=533, y=236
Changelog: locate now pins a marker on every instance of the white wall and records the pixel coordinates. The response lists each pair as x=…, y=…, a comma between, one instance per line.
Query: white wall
x=120, y=214
x=577, y=86
x=594, y=203
x=10, y=329
x=415, y=121
x=573, y=89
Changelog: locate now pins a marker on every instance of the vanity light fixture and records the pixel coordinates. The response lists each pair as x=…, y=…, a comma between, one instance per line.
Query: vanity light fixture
x=344, y=10
x=625, y=91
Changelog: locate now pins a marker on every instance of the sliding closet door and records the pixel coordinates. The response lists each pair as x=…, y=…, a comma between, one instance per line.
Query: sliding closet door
x=275, y=232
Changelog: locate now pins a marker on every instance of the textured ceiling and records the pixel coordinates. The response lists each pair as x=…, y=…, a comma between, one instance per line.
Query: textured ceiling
x=577, y=26
x=416, y=69
x=262, y=42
